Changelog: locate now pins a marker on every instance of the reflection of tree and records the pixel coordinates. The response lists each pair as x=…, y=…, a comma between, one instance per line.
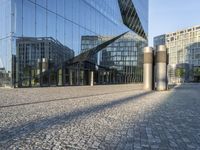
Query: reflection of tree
x=27, y=75
x=196, y=74
x=180, y=72
x=27, y=70
x=196, y=71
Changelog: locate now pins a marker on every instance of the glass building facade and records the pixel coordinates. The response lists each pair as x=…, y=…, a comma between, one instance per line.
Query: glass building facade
x=124, y=55
x=63, y=21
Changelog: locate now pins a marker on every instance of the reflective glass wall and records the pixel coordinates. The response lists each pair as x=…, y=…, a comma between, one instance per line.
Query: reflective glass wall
x=65, y=21
x=5, y=42
x=124, y=56
x=142, y=8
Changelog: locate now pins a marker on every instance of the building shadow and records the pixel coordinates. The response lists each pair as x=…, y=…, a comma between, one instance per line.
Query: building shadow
x=159, y=127
x=60, y=99
x=9, y=134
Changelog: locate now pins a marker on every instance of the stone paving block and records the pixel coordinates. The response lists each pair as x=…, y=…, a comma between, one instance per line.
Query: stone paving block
x=101, y=117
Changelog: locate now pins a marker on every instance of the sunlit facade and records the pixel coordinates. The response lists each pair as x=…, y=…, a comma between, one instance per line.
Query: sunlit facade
x=65, y=21
x=184, y=53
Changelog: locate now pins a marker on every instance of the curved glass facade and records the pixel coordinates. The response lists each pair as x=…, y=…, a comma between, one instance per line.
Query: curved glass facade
x=63, y=21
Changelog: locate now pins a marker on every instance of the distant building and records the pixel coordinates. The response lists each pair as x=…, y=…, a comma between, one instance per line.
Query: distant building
x=124, y=55
x=31, y=52
x=184, y=53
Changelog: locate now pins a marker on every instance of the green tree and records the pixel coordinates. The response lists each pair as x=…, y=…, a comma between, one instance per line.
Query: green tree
x=180, y=72
x=196, y=71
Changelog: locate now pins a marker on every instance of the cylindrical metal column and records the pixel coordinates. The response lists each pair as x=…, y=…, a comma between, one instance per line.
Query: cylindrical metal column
x=38, y=66
x=63, y=76
x=161, y=68
x=91, y=78
x=44, y=64
x=148, y=68
x=81, y=77
x=39, y=71
x=60, y=77
x=107, y=77
x=70, y=77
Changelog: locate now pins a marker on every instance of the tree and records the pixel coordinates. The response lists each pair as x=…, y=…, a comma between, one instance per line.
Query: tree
x=196, y=71
x=180, y=72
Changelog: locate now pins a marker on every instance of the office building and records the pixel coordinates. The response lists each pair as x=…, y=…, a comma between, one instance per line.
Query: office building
x=65, y=21
x=184, y=54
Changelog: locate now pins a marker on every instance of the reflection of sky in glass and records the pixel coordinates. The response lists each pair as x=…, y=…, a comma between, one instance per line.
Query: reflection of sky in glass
x=5, y=53
x=67, y=21
x=64, y=20
x=142, y=10
x=1, y=64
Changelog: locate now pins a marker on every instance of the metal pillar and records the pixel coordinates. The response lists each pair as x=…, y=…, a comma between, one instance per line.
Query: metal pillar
x=44, y=68
x=60, y=77
x=161, y=68
x=70, y=77
x=107, y=77
x=91, y=76
x=30, y=76
x=39, y=71
x=148, y=68
x=81, y=77
x=63, y=76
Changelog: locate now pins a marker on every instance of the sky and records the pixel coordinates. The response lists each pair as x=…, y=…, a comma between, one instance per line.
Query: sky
x=171, y=15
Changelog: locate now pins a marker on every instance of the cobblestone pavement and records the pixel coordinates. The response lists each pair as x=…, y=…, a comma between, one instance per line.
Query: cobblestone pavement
x=100, y=117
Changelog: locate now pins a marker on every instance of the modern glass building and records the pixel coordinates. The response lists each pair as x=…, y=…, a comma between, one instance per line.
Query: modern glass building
x=65, y=22
x=184, y=54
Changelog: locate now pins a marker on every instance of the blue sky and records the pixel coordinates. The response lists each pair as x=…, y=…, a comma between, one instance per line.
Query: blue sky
x=171, y=15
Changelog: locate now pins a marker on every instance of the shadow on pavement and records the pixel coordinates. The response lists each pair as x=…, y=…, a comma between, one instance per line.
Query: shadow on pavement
x=60, y=99
x=9, y=134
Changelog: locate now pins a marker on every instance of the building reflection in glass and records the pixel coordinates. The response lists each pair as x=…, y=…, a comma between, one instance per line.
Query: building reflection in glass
x=124, y=55
x=63, y=21
x=37, y=55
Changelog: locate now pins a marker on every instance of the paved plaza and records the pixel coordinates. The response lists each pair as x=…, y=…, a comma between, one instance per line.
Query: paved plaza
x=120, y=117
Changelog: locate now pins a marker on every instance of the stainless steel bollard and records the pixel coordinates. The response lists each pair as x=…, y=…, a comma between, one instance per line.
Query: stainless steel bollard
x=161, y=68
x=148, y=68
x=70, y=77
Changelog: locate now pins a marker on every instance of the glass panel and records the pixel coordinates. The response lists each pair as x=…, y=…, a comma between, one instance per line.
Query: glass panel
x=18, y=17
x=42, y=3
x=5, y=13
x=5, y=61
x=60, y=29
x=5, y=43
x=28, y=19
x=51, y=5
x=41, y=22
x=68, y=34
x=51, y=28
x=60, y=7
